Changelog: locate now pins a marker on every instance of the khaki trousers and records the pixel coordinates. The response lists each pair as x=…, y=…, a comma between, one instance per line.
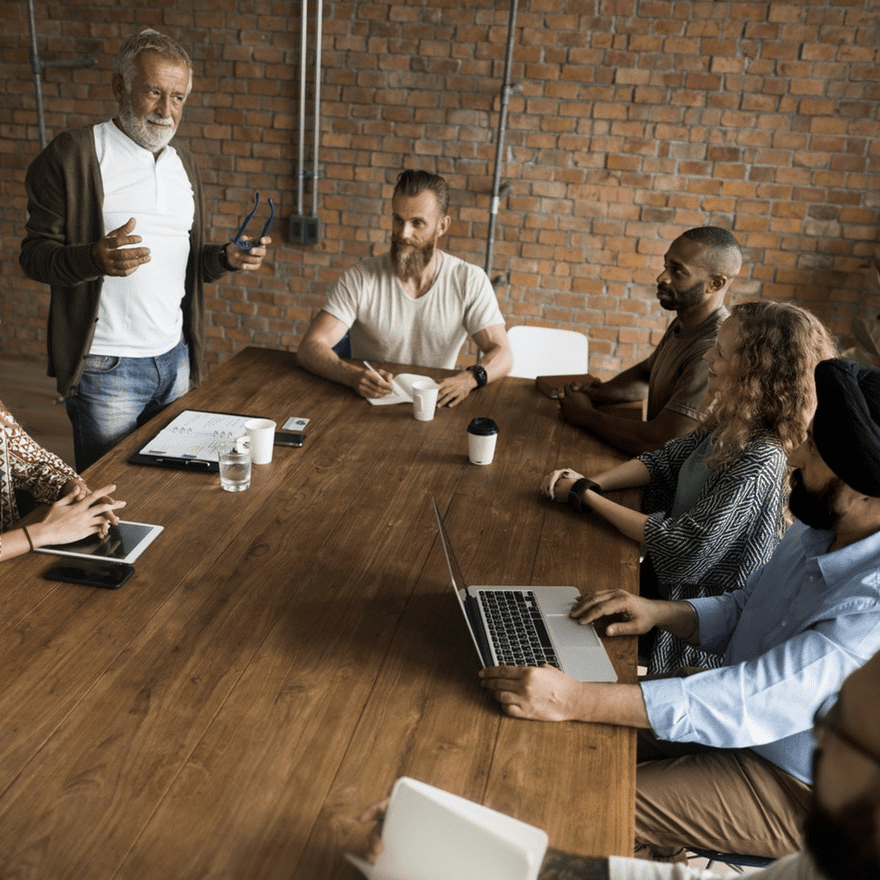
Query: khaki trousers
x=729, y=800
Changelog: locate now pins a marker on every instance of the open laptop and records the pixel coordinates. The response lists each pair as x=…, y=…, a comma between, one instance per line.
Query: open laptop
x=527, y=626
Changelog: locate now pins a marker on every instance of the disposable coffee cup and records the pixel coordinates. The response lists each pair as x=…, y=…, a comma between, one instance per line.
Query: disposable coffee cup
x=425, y=399
x=261, y=434
x=482, y=434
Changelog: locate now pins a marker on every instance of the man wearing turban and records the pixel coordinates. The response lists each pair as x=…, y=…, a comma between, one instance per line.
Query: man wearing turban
x=725, y=754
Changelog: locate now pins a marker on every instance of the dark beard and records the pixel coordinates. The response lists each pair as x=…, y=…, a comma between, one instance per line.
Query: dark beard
x=680, y=299
x=844, y=845
x=814, y=508
x=410, y=265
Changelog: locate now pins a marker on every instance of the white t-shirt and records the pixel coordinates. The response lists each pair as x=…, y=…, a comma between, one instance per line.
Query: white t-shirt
x=388, y=325
x=140, y=315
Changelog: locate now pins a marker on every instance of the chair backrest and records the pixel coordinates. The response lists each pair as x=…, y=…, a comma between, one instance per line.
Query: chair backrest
x=547, y=351
x=343, y=347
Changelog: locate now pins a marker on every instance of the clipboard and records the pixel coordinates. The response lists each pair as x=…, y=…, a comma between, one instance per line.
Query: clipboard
x=192, y=441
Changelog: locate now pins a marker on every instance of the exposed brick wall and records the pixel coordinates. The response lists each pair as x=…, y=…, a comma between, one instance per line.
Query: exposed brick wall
x=632, y=121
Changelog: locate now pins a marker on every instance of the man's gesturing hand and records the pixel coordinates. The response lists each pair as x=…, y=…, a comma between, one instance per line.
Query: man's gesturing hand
x=113, y=253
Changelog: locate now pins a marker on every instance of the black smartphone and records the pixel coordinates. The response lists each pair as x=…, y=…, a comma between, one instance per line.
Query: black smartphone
x=289, y=438
x=110, y=576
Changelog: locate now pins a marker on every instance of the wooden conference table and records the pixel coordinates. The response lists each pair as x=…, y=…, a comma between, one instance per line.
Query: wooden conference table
x=282, y=655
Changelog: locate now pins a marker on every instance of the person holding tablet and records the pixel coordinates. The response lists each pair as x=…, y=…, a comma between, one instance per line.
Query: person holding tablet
x=75, y=511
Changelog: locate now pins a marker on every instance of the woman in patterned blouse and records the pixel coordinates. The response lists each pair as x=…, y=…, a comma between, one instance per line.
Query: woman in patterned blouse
x=714, y=499
x=75, y=511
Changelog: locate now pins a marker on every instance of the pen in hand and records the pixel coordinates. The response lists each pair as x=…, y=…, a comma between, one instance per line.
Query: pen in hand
x=382, y=379
x=372, y=369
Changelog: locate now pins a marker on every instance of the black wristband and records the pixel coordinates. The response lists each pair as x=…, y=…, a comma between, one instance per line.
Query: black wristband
x=575, y=493
x=480, y=374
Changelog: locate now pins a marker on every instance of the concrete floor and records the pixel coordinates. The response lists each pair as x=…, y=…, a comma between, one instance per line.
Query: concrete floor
x=30, y=395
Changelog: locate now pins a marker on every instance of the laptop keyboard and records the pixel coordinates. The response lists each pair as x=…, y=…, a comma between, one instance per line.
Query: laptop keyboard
x=516, y=628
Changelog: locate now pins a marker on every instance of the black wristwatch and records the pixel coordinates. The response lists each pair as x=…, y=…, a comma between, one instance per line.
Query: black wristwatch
x=480, y=375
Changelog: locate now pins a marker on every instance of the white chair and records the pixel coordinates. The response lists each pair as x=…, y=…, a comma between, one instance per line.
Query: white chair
x=547, y=351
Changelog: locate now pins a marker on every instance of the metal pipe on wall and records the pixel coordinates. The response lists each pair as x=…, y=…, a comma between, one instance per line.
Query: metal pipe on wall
x=319, y=12
x=497, y=188
x=38, y=66
x=306, y=228
x=304, y=27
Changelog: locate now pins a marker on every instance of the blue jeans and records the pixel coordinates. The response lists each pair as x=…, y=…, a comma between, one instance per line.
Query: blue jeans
x=118, y=394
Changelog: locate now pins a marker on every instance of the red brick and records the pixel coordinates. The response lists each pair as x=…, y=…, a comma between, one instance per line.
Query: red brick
x=626, y=130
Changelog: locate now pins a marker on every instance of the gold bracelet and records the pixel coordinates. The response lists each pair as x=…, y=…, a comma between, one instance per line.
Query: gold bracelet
x=27, y=534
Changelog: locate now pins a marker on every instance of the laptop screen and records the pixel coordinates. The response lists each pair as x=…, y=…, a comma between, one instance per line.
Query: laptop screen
x=455, y=572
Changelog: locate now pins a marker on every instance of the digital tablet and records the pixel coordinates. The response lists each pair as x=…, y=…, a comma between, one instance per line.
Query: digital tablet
x=124, y=542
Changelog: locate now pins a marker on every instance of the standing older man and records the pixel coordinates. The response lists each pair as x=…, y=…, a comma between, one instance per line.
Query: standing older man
x=698, y=269
x=413, y=305
x=125, y=321
x=726, y=753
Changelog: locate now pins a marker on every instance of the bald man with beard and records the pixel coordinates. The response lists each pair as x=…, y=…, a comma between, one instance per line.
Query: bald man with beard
x=698, y=269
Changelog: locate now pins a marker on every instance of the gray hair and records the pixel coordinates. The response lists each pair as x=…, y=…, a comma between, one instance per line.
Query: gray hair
x=153, y=41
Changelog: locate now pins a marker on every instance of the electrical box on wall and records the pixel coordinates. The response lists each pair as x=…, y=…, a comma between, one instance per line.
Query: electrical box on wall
x=305, y=229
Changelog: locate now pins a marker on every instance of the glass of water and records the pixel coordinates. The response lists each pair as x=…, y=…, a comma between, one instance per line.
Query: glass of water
x=235, y=469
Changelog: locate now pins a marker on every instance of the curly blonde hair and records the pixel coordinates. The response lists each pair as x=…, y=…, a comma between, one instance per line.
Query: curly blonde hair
x=769, y=388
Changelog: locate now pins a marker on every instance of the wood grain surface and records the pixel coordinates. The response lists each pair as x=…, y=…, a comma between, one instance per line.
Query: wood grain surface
x=283, y=654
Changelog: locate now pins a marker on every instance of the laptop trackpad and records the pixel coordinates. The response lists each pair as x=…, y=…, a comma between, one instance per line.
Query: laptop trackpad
x=567, y=631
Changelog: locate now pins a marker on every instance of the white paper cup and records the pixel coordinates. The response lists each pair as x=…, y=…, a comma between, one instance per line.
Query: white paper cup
x=482, y=435
x=425, y=399
x=261, y=433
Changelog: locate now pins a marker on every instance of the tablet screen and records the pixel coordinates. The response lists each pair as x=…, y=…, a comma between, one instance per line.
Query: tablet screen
x=124, y=542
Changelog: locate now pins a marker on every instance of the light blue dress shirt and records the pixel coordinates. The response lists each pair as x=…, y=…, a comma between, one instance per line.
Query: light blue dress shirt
x=790, y=637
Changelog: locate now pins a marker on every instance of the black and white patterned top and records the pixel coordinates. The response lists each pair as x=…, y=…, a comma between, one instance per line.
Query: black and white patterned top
x=730, y=530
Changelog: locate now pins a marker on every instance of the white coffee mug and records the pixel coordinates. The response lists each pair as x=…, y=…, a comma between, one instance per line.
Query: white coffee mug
x=261, y=434
x=425, y=399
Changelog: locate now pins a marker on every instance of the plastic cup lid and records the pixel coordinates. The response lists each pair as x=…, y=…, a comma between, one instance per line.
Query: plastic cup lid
x=482, y=426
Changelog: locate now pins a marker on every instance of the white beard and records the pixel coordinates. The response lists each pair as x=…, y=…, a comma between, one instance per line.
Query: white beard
x=146, y=134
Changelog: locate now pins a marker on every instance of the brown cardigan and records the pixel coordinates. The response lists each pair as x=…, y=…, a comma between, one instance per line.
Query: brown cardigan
x=65, y=217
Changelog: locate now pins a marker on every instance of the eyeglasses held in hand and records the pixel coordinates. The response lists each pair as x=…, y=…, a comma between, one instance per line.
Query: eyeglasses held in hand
x=243, y=243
